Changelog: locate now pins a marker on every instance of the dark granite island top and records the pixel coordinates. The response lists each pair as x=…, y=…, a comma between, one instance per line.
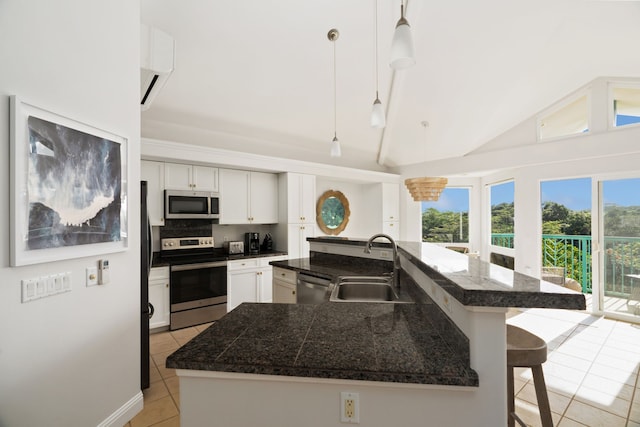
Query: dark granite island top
x=474, y=282
x=401, y=343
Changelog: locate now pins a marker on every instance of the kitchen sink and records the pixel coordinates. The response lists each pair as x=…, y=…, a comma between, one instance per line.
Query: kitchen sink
x=365, y=289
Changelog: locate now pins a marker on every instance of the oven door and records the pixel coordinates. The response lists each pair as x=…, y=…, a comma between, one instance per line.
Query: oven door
x=198, y=285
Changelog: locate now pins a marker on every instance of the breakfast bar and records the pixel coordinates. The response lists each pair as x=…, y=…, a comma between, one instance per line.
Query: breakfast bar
x=440, y=360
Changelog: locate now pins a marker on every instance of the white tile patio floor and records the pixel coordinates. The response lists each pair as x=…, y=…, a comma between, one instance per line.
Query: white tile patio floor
x=591, y=371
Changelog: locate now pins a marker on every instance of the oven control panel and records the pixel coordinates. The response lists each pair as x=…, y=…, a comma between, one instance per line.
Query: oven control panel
x=186, y=243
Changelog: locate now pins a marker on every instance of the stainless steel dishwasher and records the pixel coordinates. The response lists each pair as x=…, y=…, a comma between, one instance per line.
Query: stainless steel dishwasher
x=311, y=289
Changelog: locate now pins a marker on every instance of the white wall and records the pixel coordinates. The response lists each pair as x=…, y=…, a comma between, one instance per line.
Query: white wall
x=72, y=358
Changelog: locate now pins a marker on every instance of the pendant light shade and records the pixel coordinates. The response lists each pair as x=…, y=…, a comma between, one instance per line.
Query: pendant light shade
x=378, y=119
x=335, y=147
x=402, y=53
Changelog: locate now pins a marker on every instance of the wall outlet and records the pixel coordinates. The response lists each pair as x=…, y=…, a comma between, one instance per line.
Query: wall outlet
x=349, y=407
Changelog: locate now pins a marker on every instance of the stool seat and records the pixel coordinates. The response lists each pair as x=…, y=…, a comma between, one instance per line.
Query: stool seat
x=526, y=350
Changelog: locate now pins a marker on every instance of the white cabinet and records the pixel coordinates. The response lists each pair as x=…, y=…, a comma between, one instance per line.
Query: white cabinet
x=297, y=212
x=153, y=173
x=249, y=280
x=284, y=286
x=301, y=198
x=190, y=177
x=159, y=297
x=248, y=197
x=297, y=244
x=385, y=209
x=390, y=202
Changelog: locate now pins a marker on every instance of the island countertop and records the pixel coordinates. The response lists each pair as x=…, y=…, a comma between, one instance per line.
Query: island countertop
x=474, y=282
x=400, y=343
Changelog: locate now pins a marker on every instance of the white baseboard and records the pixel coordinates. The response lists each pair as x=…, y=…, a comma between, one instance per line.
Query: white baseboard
x=124, y=414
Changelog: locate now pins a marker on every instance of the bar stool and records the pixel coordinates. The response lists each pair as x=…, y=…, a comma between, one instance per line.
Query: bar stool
x=526, y=350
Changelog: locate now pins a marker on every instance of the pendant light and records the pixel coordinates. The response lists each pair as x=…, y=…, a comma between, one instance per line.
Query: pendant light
x=335, y=144
x=378, y=119
x=402, y=54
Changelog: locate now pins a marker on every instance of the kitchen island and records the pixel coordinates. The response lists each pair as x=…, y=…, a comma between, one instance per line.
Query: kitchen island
x=439, y=361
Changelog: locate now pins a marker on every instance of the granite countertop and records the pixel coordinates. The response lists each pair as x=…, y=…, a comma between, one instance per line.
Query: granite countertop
x=474, y=282
x=402, y=343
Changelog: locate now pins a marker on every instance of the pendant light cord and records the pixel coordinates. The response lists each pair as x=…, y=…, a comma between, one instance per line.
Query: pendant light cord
x=376, y=49
x=335, y=102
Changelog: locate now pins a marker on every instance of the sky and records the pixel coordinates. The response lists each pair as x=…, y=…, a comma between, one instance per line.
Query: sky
x=575, y=194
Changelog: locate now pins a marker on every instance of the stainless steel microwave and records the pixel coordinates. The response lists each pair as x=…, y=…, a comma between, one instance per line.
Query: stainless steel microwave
x=187, y=204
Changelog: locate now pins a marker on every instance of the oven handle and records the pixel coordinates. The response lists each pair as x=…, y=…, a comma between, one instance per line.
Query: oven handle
x=198, y=266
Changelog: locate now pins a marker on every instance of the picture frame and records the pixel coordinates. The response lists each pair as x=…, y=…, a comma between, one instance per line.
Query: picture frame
x=68, y=187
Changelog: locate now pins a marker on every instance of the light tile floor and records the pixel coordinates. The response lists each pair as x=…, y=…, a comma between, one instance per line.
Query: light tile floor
x=591, y=372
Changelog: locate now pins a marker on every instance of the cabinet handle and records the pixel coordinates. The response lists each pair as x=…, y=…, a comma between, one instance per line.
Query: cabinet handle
x=293, y=292
x=166, y=285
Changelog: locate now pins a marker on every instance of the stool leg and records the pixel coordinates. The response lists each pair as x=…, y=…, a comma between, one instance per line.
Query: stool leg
x=542, y=396
x=510, y=397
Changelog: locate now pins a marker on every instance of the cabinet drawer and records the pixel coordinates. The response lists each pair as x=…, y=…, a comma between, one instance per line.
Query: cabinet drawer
x=244, y=263
x=159, y=273
x=284, y=275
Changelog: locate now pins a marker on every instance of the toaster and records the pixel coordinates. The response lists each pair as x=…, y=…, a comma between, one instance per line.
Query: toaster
x=234, y=247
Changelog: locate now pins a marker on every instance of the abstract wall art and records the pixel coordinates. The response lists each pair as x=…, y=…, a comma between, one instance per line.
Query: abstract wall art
x=68, y=190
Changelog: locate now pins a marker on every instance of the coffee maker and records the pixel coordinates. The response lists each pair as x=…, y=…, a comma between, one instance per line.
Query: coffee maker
x=252, y=243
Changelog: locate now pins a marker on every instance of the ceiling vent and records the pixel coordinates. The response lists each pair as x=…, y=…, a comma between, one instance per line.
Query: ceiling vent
x=157, y=60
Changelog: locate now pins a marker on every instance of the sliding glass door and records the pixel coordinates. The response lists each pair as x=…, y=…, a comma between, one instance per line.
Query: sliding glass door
x=619, y=247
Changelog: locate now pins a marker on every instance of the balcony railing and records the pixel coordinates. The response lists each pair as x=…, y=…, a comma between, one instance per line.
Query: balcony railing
x=573, y=253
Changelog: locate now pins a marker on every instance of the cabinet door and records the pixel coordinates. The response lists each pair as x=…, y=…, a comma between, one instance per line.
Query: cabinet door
x=263, y=207
x=390, y=202
x=308, y=199
x=391, y=228
x=284, y=292
x=153, y=173
x=177, y=176
x=234, y=200
x=205, y=178
x=159, y=299
x=241, y=287
x=265, y=284
x=301, y=198
x=297, y=244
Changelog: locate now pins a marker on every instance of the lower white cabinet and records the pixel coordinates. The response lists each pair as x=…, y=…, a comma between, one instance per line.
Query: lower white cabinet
x=284, y=286
x=159, y=297
x=249, y=280
x=297, y=245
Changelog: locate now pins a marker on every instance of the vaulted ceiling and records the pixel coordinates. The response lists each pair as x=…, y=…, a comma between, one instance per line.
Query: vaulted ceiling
x=257, y=75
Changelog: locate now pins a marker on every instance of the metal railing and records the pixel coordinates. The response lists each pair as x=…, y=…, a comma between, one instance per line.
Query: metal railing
x=573, y=253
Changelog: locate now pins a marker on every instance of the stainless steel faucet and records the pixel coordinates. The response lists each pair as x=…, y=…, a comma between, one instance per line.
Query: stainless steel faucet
x=396, y=260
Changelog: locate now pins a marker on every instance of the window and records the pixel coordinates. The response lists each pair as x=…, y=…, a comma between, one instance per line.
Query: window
x=447, y=220
x=626, y=106
x=502, y=214
x=571, y=118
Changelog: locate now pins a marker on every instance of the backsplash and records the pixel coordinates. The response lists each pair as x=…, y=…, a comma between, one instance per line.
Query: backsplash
x=204, y=227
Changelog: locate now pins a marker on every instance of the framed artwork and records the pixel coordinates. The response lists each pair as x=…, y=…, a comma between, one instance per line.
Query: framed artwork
x=68, y=187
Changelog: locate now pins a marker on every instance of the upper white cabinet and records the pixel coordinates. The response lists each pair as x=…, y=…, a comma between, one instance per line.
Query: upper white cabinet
x=390, y=202
x=384, y=216
x=297, y=212
x=153, y=173
x=248, y=197
x=190, y=177
x=301, y=198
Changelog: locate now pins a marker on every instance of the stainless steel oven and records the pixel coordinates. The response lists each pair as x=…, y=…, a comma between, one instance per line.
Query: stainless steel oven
x=198, y=293
x=198, y=281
